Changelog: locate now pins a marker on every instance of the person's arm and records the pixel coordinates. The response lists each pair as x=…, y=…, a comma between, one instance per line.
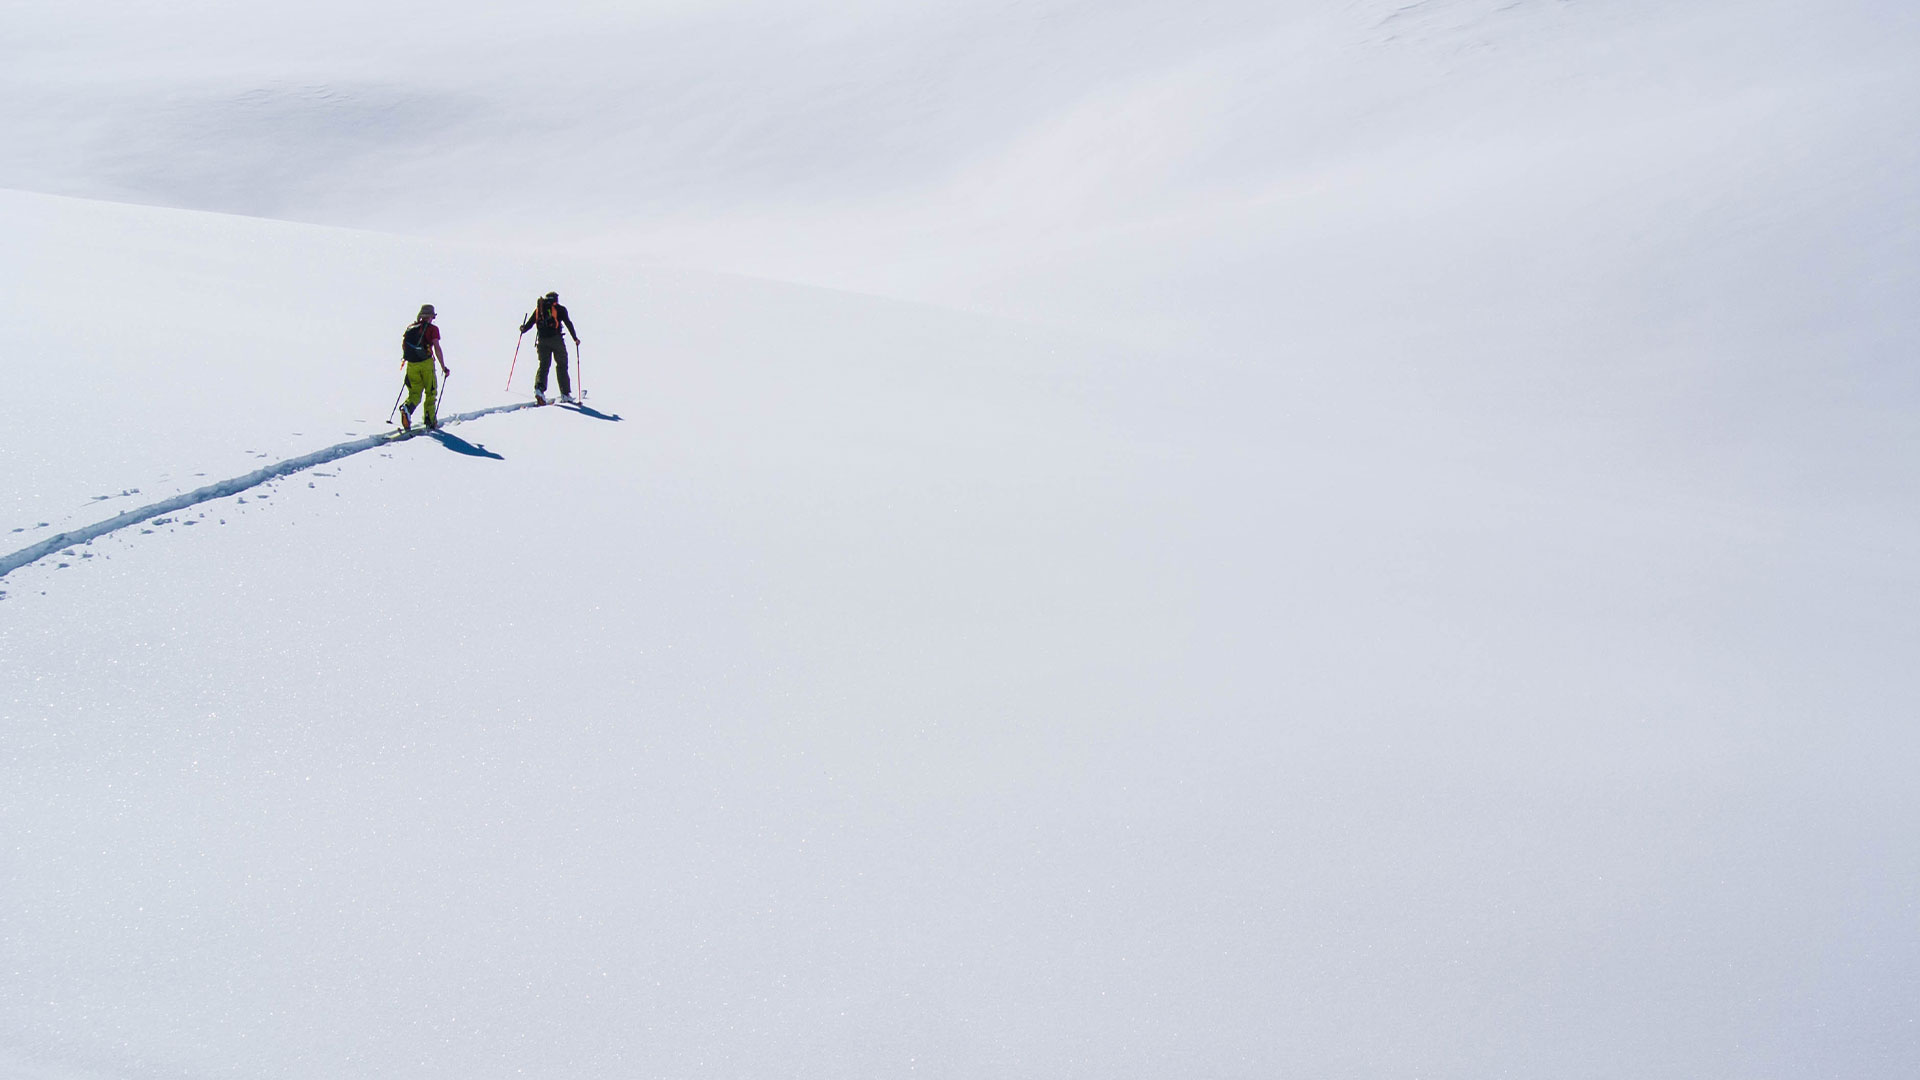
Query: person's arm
x=568, y=319
x=442, y=357
x=528, y=325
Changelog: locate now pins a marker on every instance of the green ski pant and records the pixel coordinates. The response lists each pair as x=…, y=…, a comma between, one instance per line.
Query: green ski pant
x=421, y=381
x=553, y=354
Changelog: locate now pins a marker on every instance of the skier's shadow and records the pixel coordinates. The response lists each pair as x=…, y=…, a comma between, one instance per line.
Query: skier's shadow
x=588, y=410
x=461, y=446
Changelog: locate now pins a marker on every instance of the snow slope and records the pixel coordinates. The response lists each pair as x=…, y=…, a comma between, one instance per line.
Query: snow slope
x=1462, y=628
x=570, y=749
x=1152, y=167
x=875, y=689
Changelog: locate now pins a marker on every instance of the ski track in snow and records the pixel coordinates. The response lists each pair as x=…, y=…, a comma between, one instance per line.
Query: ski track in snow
x=18, y=559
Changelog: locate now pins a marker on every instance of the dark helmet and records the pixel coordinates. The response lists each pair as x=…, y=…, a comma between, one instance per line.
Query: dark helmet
x=553, y=296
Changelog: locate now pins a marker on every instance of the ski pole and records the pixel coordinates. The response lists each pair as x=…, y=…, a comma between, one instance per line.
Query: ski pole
x=580, y=367
x=396, y=400
x=516, y=356
x=440, y=401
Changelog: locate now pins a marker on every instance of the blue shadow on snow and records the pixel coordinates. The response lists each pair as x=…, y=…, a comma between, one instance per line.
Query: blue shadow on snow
x=461, y=446
x=588, y=410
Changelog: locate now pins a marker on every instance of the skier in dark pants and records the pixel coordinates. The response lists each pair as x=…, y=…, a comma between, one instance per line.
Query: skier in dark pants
x=549, y=316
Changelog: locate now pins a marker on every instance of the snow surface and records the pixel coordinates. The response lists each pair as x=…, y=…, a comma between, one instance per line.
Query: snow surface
x=1341, y=539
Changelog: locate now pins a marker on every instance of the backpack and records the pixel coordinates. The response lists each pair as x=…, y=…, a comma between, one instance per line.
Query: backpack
x=413, y=344
x=546, y=315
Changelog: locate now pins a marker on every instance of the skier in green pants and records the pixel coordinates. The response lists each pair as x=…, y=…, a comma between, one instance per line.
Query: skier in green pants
x=419, y=348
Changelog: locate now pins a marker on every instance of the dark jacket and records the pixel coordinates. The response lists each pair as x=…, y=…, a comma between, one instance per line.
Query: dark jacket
x=550, y=318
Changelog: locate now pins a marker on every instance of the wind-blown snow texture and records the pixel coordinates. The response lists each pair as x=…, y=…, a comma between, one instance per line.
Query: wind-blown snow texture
x=1402, y=566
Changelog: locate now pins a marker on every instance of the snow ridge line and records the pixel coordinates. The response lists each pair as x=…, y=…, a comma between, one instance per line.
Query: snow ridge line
x=18, y=559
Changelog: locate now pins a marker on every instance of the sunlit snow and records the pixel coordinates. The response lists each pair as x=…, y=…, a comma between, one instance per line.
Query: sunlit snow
x=1227, y=539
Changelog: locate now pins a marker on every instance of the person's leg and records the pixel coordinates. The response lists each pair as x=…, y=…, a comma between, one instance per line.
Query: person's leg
x=545, y=348
x=560, y=358
x=415, y=390
x=432, y=415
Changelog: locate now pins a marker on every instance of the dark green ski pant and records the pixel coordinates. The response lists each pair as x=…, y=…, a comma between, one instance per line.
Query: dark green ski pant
x=551, y=350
